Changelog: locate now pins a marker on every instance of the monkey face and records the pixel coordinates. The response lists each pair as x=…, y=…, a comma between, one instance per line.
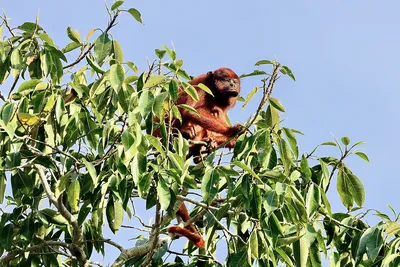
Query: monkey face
x=226, y=82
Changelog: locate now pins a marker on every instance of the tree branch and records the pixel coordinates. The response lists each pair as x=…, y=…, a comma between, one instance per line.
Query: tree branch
x=76, y=246
x=12, y=255
x=79, y=59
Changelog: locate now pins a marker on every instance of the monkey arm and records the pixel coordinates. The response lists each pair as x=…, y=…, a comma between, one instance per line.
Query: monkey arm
x=207, y=121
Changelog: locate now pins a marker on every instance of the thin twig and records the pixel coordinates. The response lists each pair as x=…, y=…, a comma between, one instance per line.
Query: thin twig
x=6, y=23
x=82, y=56
x=13, y=86
x=2, y=97
x=266, y=94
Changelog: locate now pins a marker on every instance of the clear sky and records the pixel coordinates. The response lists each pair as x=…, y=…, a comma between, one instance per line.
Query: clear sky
x=344, y=54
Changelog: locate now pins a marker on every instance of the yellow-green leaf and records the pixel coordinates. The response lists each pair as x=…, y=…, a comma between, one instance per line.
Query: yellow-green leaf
x=73, y=195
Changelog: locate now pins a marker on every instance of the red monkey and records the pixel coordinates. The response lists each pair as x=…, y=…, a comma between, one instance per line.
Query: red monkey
x=225, y=86
x=211, y=126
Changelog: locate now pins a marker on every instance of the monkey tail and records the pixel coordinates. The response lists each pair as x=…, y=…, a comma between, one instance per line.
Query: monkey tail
x=195, y=238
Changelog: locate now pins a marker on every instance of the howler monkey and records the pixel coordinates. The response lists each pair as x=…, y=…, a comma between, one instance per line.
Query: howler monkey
x=210, y=126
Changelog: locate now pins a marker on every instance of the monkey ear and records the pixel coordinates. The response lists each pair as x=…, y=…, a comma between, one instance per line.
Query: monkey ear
x=210, y=76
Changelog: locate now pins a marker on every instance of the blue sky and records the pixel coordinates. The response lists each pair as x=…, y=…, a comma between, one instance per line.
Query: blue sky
x=344, y=54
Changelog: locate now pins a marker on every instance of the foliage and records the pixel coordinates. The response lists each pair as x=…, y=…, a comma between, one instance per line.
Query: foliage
x=92, y=156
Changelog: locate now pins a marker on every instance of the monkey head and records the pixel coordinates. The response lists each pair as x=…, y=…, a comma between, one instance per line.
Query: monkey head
x=224, y=83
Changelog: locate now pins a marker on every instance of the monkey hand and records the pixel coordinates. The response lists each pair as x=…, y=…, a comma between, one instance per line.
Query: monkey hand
x=236, y=130
x=189, y=133
x=205, y=150
x=211, y=144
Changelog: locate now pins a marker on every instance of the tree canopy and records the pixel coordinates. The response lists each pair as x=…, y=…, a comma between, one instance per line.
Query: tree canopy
x=77, y=155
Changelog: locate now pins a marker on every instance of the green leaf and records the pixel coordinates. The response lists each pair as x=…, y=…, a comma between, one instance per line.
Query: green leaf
x=312, y=199
x=272, y=117
x=102, y=47
x=3, y=182
x=285, y=70
x=153, y=81
x=127, y=141
x=160, y=53
x=71, y=46
x=53, y=216
x=304, y=168
x=92, y=171
x=345, y=140
x=254, y=244
x=117, y=4
x=284, y=256
x=247, y=169
x=27, y=119
x=7, y=112
x=342, y=186
x=94, y=65
x=276, y=104
x=329, y=144
x=136, y=14
x=362, y=155
x=155, y=142
x=115, y=214
x=163, y=193
x=132, y=66
x=30, y=27
x=176, y=113
x=271, y=201
x=146, y=101
x=254, y=73
x=356, y=188
x=191, y=91
x=118, y=53
x=205, y=89
x=292, y=141
x=28, y=86
x=239, y=258
x=300, y=251
x=263, y=62
x=73, y=195
x=209, y=185
x=392, y=228
x=286, y=155
x=73, y=35
x=173, y=89
x=189, y=108
x=256, y=203
x=370, y=243
x=16, y=59
x=171, y=53
x=117, y=76
x=250, y=95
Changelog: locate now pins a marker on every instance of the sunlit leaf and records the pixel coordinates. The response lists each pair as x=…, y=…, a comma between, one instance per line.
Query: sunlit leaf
x=205, y=88
x=276, y=104
x=263, y=62
x=136, y=14
x=362, y=155
x=117, y=76
x=345, y=140
x=73, y=195
x=73, y=35
x=117, y=4
x=27, y=119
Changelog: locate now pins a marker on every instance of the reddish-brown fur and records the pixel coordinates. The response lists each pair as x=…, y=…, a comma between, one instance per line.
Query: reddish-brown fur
x=195, y=238
x=211, y=126
x=225, y=85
